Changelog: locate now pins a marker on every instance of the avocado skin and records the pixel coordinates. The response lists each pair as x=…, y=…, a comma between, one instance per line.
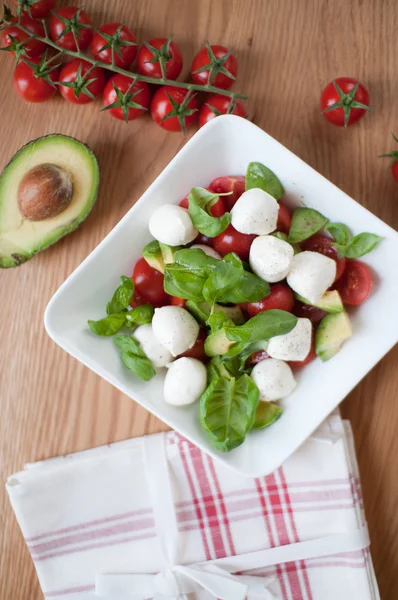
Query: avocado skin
x=15, y=259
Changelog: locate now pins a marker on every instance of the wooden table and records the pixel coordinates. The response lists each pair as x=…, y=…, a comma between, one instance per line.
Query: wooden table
x=288, y=50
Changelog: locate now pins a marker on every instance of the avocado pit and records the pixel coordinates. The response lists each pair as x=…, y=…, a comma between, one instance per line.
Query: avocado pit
x=44, y=192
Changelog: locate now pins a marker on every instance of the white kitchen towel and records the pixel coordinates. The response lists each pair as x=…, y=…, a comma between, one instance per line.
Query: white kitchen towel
x=99, y=512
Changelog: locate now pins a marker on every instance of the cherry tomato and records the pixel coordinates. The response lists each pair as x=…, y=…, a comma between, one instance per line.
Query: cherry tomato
x=33, y=48
x=198, y=349
x=84, y=34
x=257, y=357
x=168, y=117
x=280, y=297
x=394, y=170
x=233, y=241
x=217, y=105
x=344, y=101
x=134, y=95
x=355, y=284
x=284, y=218
x=38, y=9
x=306, y=311
x=31, y=88
x=323, y=245
x=222, y=185
x=175, y=301
x=157, y=53
x=217, y=210
x=206, y=65
x=75, y=71
x=123, y=54
x=149, y=283
x=204, y=240
x=394, y=159
x=137, y=299
x=297, y=364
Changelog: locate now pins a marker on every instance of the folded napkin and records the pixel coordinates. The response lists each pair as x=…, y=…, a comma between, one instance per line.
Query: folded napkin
x=155, y=517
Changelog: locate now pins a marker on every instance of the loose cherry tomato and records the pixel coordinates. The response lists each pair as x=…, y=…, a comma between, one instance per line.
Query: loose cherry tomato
x=175, y=301
x=355, y=284
x=323, y=245
x=257, y=357
x=344, y=101
x=32, y=48
x=160, y=58
x=38, y=9
x=173, y=108
x=30, y=87
x=222, y=185
x=284, y=218
x=394, y=171
x=217, y=105
x=63, y=34
x=233, y=241
x=198, y=349
x=394, y=159
x=149, y=283
x=217, y=210
x=214, y=65
x=306, y=311
x=83, y=92
x=297, y=364
x=135, y=95
x=280, y=297
x=117, y=37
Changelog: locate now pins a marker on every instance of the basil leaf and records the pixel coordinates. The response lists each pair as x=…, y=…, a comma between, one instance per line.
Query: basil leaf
x=227, y=410
x=109, y=325
x=182, y=282
x=259, y=176
x=134, y=357
x=200, y=310
x=199, y=204
x=221, y=281
x=121, y=297
x=263, y=326
x=196, y=261
x=266, y=414
x=216, y=369
x=250, y=289
x=305, y=222
x=218, y=320
x=234, y=259
x=140, y=315
x=359, y=245
x=340, y=232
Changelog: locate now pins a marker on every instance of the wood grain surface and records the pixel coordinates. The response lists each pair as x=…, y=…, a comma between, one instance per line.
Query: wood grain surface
x=287, y=50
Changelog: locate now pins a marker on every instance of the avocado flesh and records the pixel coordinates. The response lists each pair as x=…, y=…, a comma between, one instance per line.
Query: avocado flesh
x=332, y=331
x=20, y=238
x=153, y=256
x=217, y=343
x=168, y=252
x=330, y=302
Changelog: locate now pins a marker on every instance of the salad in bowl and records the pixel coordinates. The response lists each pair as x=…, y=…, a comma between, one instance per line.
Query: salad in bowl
x=233, y=296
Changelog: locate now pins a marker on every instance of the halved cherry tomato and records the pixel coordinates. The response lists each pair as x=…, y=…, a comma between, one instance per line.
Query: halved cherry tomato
x=31, y=88
x=149, y=283
x=174, y=109
x=257, y=357
x=133, y=96
x=297, y=364
x=64, y=37
x=175, y=301
x=38, y=9
x=323, y=245
x=198, y=349
x=280, y=297
x=284, y=218
x=306, y=311
x=124, y=54
x=217, y=210
x=355, y=284
x=231, y=240
x=32, y=48
x=157, y=53
x=205, y=67
x=216, y=105
x=222, y=185
x=75, y=72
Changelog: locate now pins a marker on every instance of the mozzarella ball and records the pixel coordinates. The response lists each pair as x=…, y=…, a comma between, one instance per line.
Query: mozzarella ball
x=185, y=381
x=274, y=379
x=294, y=345
x=255, y=212
x=157, y=354
x=270, y=258
x=172, y=225
x=311, y=274
x=175, y=328
x=208, y=250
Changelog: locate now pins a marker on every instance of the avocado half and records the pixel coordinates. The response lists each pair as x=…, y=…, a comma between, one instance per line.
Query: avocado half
x=20, y=239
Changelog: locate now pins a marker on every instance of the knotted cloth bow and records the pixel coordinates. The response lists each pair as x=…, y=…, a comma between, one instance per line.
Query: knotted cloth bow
x=212, y=579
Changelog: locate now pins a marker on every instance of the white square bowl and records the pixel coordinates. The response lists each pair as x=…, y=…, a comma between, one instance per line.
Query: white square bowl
x=225, y=147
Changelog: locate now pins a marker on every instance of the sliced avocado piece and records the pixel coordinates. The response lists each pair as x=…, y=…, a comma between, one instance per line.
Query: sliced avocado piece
x=23, y=231
x=217, y=343
x=332, y=331
x=266, y=414
x=202, y=310
x=330, y=302
x=153, y=256
x=168, y=252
